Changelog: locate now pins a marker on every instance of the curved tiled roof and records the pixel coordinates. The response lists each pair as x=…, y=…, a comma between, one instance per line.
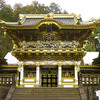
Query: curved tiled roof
x=31, y=21
x=62, y=19
x=65, y=21
x=86, y=23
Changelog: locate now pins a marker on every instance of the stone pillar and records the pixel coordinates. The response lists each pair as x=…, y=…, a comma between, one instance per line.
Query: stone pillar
x=21, y=70
x=59, y=75
x=37, y=74
x=76, y=75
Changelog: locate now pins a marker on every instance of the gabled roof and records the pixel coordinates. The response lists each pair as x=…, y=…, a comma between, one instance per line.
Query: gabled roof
x=11, y=59
x=88, y=58
x=62, y=20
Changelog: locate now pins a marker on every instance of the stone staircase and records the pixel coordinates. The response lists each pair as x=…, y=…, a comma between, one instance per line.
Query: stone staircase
x=46, y=94
x=3, y=91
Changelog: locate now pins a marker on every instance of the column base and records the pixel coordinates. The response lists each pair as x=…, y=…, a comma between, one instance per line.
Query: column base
x=60, y=85
x=37, y=85
x=76, y=86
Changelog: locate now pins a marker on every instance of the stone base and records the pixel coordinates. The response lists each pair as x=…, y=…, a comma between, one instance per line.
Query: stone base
x=59, y=85
x=37, y=85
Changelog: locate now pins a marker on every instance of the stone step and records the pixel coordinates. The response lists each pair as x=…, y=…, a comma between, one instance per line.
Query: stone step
x=47, y=99
x=61, y=95
x=3, y=91
x=36, y=93
x=51, y=88
x=44, y=90
x=46, y=94
x=47, y=91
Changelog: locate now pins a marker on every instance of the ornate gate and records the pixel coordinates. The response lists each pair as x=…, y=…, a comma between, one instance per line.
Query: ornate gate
x=49, y=80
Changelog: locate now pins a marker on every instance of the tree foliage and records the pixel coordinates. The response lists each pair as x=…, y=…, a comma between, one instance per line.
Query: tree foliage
x=93, y=41
x=17, y=10
x=55, y=8
x=2, y=4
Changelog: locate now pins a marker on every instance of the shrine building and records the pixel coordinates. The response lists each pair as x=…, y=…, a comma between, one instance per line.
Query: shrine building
x=50, y=50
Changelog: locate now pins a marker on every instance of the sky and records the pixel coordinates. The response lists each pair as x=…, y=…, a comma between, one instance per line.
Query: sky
x=87, y=8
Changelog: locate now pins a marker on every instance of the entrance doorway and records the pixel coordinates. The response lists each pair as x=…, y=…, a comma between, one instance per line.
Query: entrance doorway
x=49, y=80
x=49, y=77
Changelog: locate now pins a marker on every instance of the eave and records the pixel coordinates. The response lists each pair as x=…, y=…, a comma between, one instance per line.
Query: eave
x=36, y=56
x=48, y=22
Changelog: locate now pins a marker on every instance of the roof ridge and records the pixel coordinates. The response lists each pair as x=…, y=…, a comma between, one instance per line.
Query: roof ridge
x=21, y=16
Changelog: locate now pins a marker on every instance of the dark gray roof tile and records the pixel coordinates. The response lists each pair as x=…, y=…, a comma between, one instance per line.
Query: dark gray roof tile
x=32, y=21
x=11, y=23
x=66, y=21
x=86, y=23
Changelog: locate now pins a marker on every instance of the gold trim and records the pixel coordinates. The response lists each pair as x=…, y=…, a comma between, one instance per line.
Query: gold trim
x=59, y=85
x=29, y=81
x=68, y=78
x=89, y=66
x=21, y=16
x=48, y=22
x=9, y=66
x=74, y=85
x=22, y=51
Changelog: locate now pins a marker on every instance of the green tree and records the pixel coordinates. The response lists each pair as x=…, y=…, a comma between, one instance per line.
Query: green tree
x=35, y=8
x=42, y=9
x=2, y=3
x=39, y=8
x=65, y=12
x=28, y=9
x=6, y=14
x=17, y=10
x=93, y=42
x=55, y=8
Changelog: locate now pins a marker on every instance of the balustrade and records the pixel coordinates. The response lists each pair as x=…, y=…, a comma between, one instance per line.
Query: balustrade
x=7, y=80
x=89, y=79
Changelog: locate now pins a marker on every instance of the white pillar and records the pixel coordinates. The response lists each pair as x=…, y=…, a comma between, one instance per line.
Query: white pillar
x=37, y=74
x=21, y=70
x=76, y=75
x=21, y=75
x=17, y=78
x=98, y=94
x=59, y=75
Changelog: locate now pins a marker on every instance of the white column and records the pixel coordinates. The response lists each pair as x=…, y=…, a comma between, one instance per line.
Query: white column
x=21, y=76
x=76, y=75
x=37, y=74
x=17, y=78
x=59, y=75
x=98, y=94
x=21, y=70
